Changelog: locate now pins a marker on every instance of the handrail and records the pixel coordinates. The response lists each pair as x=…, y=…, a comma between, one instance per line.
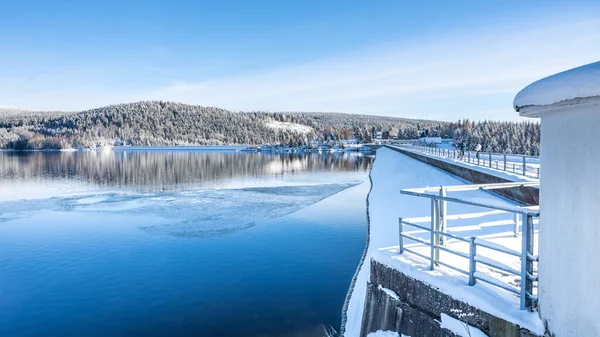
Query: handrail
x=479, y=159
x=515, y=209
x=437, y=233
x=473, y=187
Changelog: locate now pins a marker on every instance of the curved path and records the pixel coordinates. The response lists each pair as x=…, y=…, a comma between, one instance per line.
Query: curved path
x=391, y=172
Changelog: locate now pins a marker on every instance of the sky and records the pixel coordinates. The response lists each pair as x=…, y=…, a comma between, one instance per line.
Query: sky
x=444, y=60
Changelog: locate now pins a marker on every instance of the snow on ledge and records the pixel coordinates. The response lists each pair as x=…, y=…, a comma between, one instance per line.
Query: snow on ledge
x=460, y=328
x=577, y=83
x=389, y=292
x=381, y=333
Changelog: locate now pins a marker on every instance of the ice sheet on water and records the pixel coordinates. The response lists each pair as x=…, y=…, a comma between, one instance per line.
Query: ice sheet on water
x=187, y=213
x=218, y=212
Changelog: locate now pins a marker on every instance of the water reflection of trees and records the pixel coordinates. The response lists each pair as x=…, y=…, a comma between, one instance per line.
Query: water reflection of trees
x=162, y=168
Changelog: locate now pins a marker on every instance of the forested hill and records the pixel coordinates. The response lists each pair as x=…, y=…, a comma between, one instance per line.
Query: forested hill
x=166, y=123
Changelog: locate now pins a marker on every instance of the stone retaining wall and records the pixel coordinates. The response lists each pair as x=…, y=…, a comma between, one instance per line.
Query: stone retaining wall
x=417, y=310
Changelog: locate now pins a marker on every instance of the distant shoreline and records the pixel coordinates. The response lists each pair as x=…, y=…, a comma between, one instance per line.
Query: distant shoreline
x=139, y=148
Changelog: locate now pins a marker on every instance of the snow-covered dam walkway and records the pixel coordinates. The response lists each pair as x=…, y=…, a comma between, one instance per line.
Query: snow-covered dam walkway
x=391, y=172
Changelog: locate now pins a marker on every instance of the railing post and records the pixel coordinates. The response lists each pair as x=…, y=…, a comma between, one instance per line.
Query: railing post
x=490, y=157
x=514, y=171
x=437, y=235
x=432, y=236
x=524, y=166
x=538, y=173
x=442, y=216
x=526, y=263
x=400, y=237
x=505, y=162
x=472, y=264
x=529, y=301
x=516, y=225
x=469, y=157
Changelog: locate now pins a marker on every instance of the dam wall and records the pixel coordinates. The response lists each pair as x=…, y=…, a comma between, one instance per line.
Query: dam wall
x=522, y=194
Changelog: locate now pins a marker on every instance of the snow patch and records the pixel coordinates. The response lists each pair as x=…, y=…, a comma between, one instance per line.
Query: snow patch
x=579, y=82
x=287, y=126
x=381, y=333
x=460, y=328
x=389, y=292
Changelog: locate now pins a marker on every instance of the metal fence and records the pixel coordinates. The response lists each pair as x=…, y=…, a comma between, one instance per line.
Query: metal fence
x=439, y=238
x=516, y=163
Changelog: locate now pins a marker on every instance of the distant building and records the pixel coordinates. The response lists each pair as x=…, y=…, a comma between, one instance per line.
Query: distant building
x=431, y=140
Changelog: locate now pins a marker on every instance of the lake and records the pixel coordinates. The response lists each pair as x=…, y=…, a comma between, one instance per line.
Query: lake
x=180, y=242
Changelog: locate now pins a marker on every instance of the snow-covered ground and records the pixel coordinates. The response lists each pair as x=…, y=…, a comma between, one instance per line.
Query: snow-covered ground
x=393, y=171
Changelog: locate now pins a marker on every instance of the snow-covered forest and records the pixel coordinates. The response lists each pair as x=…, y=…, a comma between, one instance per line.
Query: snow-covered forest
x=166, y=123
x=505, y=137
x=159, y=123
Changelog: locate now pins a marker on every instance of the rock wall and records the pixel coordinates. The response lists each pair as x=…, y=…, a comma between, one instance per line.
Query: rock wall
x=414, y=308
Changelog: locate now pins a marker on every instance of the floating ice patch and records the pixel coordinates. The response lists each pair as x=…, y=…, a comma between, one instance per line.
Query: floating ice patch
x=92, y=200
x=190, y=213
x=191, y=229
x=221, y=212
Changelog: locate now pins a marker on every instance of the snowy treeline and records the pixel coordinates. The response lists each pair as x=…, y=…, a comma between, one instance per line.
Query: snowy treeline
x=142, y=123
x=338, y=126
x=505, y=137
x=166, y=123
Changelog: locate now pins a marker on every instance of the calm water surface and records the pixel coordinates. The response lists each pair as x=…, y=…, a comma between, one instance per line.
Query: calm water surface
x=178, y=242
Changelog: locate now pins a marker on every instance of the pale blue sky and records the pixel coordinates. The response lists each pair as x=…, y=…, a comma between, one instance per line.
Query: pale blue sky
x=428, y=59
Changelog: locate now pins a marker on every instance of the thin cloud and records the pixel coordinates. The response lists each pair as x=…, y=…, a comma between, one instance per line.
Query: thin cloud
x=488, y=65
x=447, y=78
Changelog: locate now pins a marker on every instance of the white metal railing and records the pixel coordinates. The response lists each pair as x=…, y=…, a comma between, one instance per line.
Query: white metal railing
x=517, y=163
x=439, y=238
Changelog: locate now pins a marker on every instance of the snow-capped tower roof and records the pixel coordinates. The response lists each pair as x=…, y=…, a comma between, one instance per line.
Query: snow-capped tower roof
x=576, y=86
